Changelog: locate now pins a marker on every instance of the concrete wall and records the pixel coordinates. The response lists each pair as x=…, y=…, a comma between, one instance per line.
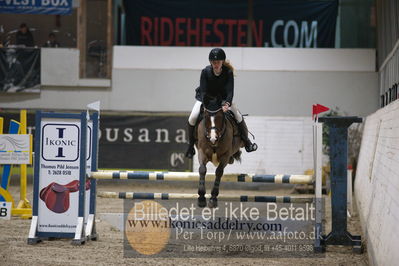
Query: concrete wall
x=255, y=59
x=269, y=81
x=377, y=185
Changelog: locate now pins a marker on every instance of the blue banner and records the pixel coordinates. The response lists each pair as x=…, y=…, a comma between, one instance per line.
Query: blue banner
x=274, y=23
x=49, y=7
x=134, y=141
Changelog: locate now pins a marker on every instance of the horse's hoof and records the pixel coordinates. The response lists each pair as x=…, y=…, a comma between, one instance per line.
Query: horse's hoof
x=251, y=147
x=254, y=146
x=213, y=203
x=201, y=202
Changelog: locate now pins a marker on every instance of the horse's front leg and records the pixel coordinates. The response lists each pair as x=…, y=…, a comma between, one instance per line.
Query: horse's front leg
x=201, y=187
x=213, y=201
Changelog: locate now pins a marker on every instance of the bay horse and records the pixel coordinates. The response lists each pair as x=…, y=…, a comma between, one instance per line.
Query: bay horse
x=218, y=142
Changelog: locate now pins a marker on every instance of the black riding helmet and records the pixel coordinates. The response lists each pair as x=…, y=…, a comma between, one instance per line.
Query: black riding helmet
x=217, y=54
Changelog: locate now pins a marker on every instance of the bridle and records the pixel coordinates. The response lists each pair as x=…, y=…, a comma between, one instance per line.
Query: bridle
x=222, y=130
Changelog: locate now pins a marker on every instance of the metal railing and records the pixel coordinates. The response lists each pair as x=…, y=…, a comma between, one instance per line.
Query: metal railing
x=388, y=49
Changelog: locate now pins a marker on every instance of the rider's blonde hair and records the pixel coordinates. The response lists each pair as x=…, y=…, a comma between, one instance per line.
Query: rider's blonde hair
x=228, y=64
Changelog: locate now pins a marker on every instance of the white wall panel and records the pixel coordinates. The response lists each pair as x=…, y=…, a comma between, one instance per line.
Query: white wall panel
x=377, y=185
x=60, y=67
x=285, y=147
x=263, y=59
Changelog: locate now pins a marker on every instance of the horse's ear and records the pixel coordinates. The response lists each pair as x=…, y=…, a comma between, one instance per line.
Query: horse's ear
x=205, y=102
x=218, y=102
x=208, y=103
x=212, y=104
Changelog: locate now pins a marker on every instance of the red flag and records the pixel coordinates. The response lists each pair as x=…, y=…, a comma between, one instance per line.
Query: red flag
x=317, y=109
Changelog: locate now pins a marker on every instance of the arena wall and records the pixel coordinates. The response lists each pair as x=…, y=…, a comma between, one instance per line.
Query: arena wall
x=377, y=185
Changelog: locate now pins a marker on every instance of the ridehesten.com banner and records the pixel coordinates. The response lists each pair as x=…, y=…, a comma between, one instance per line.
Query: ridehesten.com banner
x=275, y=23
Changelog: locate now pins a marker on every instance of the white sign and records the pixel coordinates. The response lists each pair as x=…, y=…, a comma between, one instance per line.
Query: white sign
x=15, y=149
x=5, y=210
x=59, y=175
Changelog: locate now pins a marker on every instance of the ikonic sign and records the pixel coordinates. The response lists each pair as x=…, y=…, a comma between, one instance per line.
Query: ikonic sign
x=60, y=142
x=15, y=149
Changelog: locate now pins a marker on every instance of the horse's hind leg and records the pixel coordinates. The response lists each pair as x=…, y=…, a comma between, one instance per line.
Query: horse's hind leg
x=213, y=201
x=201, y=187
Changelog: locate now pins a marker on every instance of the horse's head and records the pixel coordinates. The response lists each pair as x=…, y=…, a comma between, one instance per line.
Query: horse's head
x=214, y=121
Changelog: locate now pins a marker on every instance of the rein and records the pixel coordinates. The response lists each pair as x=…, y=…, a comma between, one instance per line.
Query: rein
x=213, y=112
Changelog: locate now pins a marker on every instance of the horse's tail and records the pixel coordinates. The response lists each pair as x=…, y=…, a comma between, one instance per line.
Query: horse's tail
x=237, y=156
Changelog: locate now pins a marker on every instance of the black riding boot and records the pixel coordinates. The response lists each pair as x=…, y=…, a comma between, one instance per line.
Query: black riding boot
x=191, y=140
x=249, y=146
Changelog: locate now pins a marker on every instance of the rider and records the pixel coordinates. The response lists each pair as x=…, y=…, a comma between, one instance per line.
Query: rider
x=217, y=80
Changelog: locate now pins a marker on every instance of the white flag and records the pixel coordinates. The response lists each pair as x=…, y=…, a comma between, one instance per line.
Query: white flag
x=94, y=106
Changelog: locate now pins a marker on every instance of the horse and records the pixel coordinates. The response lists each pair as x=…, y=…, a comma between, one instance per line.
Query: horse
x=219, y=142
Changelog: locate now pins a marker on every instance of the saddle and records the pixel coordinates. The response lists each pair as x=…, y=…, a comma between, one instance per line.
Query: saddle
x=56, y=196
x=230, y=116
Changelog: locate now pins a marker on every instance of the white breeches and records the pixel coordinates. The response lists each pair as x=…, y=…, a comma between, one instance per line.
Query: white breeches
x=192, y=120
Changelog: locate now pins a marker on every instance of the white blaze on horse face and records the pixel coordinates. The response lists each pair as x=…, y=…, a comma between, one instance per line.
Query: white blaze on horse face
x=213, y=136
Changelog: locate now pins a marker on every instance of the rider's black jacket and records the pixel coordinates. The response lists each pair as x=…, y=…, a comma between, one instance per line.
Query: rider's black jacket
x=213, y=86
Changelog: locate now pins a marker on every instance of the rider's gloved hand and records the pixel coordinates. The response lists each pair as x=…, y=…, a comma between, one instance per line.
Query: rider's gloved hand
x=226, y=107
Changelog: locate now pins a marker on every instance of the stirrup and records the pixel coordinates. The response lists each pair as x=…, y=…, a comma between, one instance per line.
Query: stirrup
x=251, y=147
x=190, y=152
